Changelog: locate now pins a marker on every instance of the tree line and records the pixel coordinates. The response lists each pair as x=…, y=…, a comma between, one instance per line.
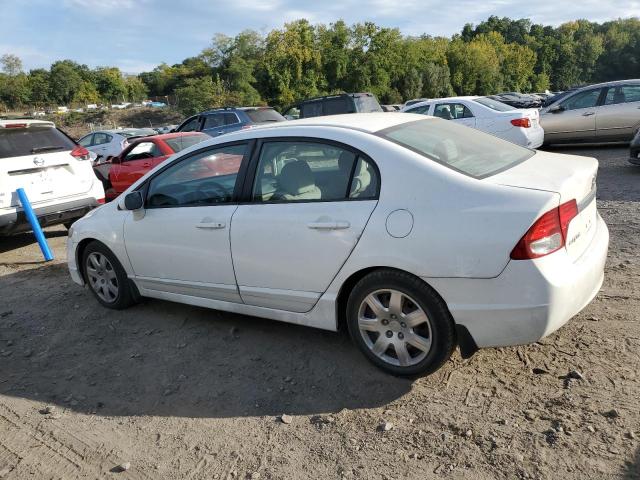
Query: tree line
x=301, y=60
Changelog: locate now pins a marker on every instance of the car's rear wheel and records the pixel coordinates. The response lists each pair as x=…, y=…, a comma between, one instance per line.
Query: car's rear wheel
x=400, y=323
x=106, y=277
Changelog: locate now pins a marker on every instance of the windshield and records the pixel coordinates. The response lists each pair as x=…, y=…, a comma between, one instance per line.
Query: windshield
x=264, y=115
x=17, y=142
x=185, y=141
x=494, y=104
x=367, y=103
x=464, y=149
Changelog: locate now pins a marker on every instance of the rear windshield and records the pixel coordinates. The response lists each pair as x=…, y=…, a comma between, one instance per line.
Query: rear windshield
x=17, y=142
x=367, y=103
x=494, y=104
x=264, y=115
x=463, y=149
x=186, y=141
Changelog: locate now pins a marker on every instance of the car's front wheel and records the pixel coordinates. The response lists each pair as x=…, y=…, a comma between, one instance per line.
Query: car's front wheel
x=400, y=323
x=106, y=277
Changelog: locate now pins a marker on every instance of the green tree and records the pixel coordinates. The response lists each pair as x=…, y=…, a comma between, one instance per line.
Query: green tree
x=110, y=84
x=11, y=64
x=136, y=89
x=199, y=94
x=38, y=80
x=65, y=80
x=86, y=94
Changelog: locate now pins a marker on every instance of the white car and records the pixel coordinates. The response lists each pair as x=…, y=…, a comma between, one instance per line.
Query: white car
x=519, y=126
x=109, y=143
x=415, y=233
x=53, y=170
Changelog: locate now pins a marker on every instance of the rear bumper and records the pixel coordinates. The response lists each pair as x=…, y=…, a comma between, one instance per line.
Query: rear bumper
x=16, y=221
x=529, y=299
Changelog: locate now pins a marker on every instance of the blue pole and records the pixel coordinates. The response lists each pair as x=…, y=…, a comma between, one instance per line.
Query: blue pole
x=35, y=225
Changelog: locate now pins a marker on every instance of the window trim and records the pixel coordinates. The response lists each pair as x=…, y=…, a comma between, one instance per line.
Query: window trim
x=250, y=143
x=246, y=197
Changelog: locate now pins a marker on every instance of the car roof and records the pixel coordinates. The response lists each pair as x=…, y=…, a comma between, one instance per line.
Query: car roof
x=608, y=84
x=231, y=109
x=364, y=122
x=21, y=121
x=169, y=136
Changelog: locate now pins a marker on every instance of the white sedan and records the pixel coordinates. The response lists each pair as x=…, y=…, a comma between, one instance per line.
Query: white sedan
x=416, y=234
x=520, y=126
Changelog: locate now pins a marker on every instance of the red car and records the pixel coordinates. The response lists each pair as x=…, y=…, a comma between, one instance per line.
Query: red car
x=144, y=154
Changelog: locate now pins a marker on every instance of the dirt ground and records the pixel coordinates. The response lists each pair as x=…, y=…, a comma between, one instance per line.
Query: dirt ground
x=183, y=392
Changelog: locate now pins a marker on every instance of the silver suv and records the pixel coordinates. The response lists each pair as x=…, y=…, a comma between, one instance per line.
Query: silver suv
x=606, y=112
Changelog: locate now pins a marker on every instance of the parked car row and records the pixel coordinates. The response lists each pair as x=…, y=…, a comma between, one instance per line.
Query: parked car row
x=606, y=112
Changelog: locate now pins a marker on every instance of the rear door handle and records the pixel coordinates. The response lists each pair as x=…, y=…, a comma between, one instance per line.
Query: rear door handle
x=211, y=225
x=588, y=114
x=220, y=132
x=328, y=225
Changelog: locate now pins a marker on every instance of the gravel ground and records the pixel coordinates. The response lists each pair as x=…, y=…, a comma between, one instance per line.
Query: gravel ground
x=171, y=391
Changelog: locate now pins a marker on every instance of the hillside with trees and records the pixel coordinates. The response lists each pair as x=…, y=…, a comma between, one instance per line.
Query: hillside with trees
x=302, y=60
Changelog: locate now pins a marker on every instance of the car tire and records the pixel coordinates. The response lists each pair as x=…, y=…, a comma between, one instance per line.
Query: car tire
x=388, y=309
x=106, y=277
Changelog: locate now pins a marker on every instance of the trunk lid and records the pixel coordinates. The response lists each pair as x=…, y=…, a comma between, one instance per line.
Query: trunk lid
x=570, y=176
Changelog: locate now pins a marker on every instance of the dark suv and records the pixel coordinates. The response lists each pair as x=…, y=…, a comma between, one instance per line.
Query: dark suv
x=334, y=105
x=229, y=119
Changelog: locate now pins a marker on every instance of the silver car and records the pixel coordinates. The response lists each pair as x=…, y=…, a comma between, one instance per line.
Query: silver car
x=606, y=112
x=109, y=143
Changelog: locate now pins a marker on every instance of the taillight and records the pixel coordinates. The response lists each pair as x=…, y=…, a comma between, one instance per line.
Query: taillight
x=548, y=234
x=521, y=122
x=124, y=144
x=80, y=153
x=247, y=127
x=100, y=201
x=15, y=125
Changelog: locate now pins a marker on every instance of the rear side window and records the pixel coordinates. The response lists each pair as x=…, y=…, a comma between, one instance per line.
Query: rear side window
x=311, y=109
x=213, y=121
x=311, y=171
x=623, y=94
x=423, y=110
x=264, y=115
x=230, y=118
x=465, y=150
x=494, y=104
x=367, y=103
x=180, y=143
x=17, y=142
x=335, y=106
x=101, y=138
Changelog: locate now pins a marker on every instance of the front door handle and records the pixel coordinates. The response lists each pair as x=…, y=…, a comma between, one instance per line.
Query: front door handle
x=340, y=225
x=588, y=114
x=211, y=225
x=220, y=132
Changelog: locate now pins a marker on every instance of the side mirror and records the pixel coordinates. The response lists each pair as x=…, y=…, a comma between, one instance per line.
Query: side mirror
x=133, y=201
x=116, y=159
x=556, y=109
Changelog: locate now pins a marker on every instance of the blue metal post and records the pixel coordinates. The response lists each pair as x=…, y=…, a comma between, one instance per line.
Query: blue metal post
x=35, y=225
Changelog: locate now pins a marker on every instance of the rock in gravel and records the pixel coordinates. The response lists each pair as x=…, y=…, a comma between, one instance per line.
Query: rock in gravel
x=286, y=419
x=539, y=371
x=254, y=476
x=575, y=375
x=385, y=426
x=631, y=435
x=591, y=428
x=613, y=413
x=6, y=314
x=49, y=409
x=123, y=467
x=468, y=433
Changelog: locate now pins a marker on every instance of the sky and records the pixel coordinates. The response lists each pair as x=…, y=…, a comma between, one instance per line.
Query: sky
x=137, y=35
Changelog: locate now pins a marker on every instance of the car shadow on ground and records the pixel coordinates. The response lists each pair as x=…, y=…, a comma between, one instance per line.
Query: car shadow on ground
x=59, y=346
x=631, y=470
x=13, y=242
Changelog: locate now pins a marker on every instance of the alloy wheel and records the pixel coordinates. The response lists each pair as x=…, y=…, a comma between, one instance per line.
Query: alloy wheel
x=394, y=327
x=102, y=277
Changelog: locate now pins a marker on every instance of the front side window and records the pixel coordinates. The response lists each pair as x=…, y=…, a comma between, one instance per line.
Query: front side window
x=336, y=106
x=190, y=126
x=143, y=150
x=101, y=138
x=230, y=118
x=206, y=178
x=587, y=99
x=310, y=171
x=185, y=141
x=292, y=114
x=466, y=150
x=86, y=140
